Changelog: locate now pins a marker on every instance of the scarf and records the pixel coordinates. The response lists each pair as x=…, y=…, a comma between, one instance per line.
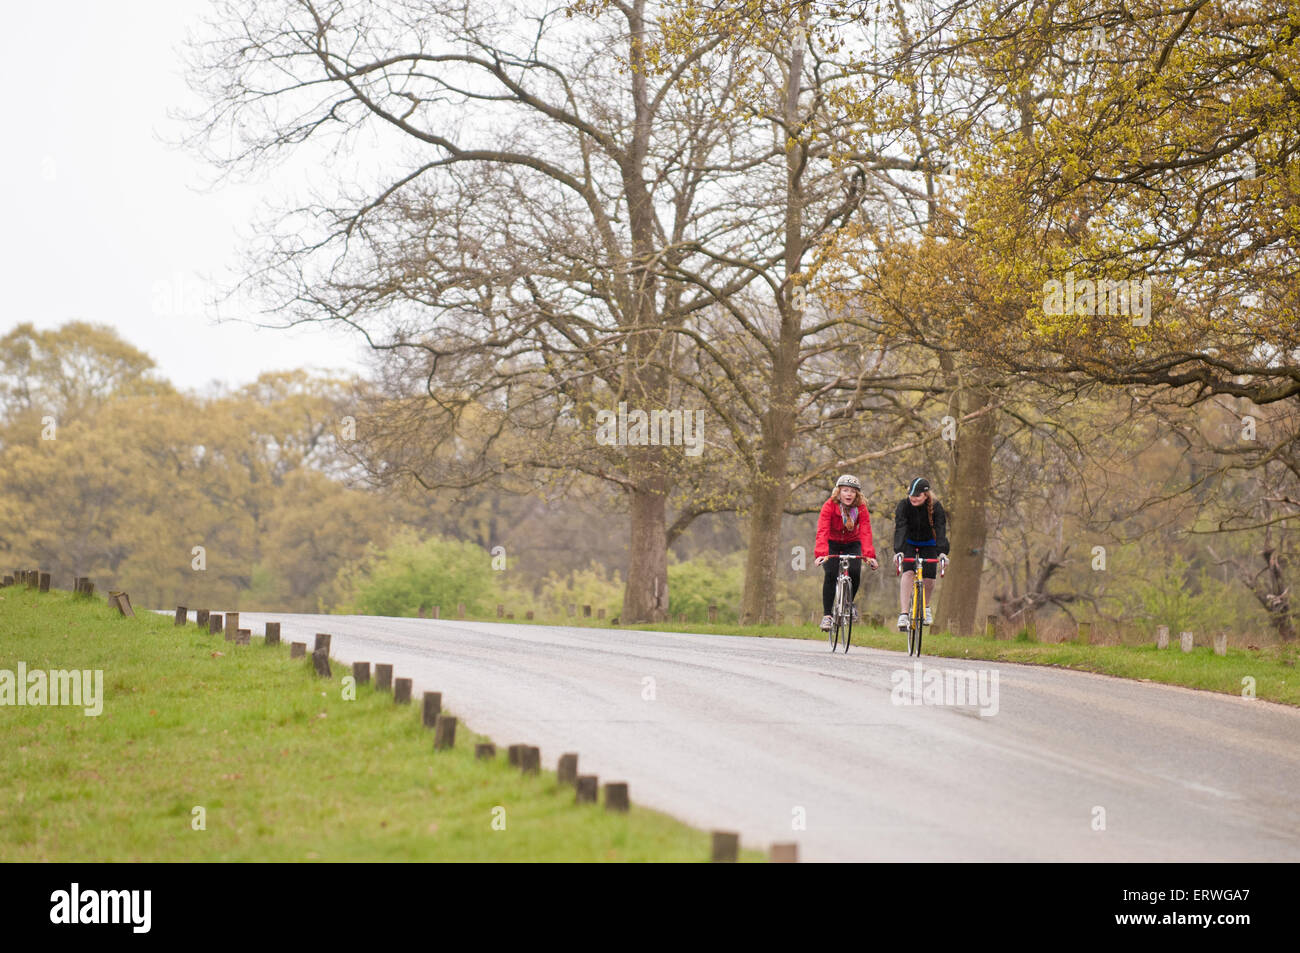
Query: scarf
x=849, y=516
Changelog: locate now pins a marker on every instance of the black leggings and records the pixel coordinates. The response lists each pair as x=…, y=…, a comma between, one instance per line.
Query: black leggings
x=832, y=570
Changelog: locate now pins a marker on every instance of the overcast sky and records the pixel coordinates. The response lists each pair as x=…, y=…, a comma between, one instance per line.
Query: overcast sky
x=108, y=223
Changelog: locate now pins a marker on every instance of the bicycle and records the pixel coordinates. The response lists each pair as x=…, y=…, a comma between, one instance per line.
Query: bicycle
x=916, y=620
x=842, y=608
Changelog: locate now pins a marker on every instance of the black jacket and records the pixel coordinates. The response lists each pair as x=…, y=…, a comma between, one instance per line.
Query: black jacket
x=910, y=522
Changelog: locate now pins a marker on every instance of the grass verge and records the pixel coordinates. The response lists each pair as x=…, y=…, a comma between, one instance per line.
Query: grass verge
x=283, y=768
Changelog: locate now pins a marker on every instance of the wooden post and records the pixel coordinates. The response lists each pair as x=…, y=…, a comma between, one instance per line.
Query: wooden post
x=528, y=614
x=361, y=672
x=713, y=613
x=726, y=847
x=530, y=760
x=322, y=642
x=573, y=609
x=1221, y=643
x=1185, y=639
x=1162, y=636
x=1031, y=625
x=432, y=708
x=510, y=615
x=991, y=627
x=779, y=618
x=243, y=636
x=435, y=612
x=501, y=611
x=514, y=754
x=784, y=854
x=485, y=751
x=182, y=616
x=586, y=612
x=1085, y=633
x=460, y=610
x=297, y=649
x=585, y=789
x=45, y=582
x=8, y=581
x=273, y=633
x=616, y=796
x=321, y=661
x=600, y=613
x=681, y=617
x=444, y=733
x=232, y=625
x=201, y=618
x=121, y=602
x=566, y=772
x=402, y=691
x=420, y=612
x=383, y=677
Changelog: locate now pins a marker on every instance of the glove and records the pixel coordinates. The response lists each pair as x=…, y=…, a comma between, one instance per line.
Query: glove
x=898, y=562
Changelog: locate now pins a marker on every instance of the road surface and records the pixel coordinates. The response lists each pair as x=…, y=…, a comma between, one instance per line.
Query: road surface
x=861, y=757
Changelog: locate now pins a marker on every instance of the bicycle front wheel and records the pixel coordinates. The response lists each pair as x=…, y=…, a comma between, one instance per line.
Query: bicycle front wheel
x=833, y=633
x=845, y=617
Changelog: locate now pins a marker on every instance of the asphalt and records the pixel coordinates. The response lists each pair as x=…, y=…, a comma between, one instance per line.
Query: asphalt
x=859, y=757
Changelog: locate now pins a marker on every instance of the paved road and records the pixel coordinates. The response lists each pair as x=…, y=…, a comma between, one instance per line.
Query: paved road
x=780, y=740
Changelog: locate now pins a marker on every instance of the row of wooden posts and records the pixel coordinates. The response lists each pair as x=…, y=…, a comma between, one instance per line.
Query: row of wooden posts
x=435, y=612
x=527, y=758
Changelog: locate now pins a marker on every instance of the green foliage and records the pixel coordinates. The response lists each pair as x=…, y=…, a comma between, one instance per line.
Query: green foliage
x=412, y=574
x=595, y=586
x=707, y=580
x=1169, y=592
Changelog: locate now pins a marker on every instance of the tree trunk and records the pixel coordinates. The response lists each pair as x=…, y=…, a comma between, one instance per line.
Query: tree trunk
x=968, y=526
x=770, y=486
x=770, y=495
x=645, y=597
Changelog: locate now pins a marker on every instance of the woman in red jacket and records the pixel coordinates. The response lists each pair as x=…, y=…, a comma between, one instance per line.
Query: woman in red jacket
x=843, y=527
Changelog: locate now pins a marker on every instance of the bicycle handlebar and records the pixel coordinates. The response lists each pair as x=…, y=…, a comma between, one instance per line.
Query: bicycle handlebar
x=898, y=563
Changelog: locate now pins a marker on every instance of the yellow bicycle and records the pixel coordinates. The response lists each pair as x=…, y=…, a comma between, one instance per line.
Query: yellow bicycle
x=916, y=620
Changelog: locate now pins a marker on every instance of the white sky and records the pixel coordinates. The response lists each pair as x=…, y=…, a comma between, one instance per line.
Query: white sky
x=106, y=221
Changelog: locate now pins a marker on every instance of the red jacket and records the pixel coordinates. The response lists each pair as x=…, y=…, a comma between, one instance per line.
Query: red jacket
x=830, y=526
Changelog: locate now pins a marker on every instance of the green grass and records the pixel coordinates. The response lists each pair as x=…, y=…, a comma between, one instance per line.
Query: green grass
x=284, y=768
x=1273, y=668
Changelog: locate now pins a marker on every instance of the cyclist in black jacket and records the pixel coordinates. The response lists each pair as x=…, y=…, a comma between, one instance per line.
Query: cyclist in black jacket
x=920, y=525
